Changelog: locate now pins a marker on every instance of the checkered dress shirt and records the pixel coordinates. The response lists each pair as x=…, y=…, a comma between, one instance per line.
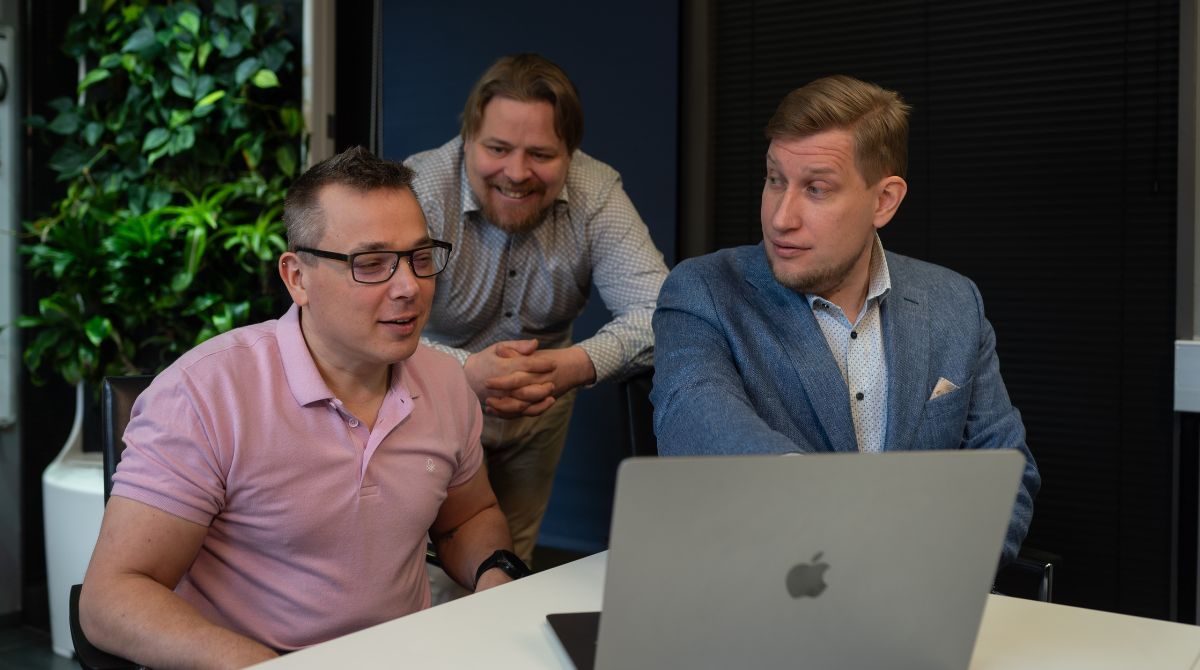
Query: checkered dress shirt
x=500, y=286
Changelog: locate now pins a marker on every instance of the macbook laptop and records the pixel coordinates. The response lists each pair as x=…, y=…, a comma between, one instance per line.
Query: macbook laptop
x=813, y=561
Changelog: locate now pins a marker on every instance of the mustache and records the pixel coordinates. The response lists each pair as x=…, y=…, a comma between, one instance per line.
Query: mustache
x=532, y=184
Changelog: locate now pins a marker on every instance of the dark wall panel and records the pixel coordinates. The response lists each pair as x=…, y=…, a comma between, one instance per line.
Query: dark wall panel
x=1043, y=167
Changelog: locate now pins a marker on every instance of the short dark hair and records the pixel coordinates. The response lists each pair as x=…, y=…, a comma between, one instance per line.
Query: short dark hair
x=875, y=116
x=528, y=78
x=355, y=167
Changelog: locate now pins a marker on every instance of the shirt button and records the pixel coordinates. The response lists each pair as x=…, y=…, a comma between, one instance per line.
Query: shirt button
x=512, y=273
x=858, y=396
x=854, y=334
x=354, y=422
x=508, y=314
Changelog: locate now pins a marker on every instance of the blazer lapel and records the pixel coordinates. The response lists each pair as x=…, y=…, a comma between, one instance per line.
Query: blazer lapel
x=906, y=335
x=799, y=334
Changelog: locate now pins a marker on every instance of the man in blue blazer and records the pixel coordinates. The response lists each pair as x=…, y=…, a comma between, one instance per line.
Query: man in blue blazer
x=817, y=340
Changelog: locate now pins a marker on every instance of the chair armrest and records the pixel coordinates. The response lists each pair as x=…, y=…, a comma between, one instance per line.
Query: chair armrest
x=89, y=656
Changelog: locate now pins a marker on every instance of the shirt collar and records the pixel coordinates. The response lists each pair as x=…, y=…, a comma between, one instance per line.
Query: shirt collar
x=879, y=283
x=304, y=379
x=467, y=200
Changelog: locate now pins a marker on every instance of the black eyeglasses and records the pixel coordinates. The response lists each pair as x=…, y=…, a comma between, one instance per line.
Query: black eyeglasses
x=376, y=267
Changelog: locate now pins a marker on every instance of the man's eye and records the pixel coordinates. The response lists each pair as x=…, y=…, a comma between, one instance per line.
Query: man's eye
x=496, y=151
x=369, y=266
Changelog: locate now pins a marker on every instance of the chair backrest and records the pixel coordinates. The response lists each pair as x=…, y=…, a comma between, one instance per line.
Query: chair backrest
x=639, y=413
x=116, y=403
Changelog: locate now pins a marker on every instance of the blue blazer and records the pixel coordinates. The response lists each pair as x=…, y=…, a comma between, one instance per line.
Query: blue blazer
x=741, y=366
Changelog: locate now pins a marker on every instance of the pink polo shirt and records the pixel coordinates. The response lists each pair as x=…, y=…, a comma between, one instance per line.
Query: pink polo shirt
x=316, y=526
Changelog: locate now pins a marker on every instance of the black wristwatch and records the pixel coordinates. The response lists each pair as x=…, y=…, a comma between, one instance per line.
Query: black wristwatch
x=510, y=563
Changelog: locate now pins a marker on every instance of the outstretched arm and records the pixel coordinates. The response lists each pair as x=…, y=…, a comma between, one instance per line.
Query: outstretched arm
x=701, y=406
x=128, y=606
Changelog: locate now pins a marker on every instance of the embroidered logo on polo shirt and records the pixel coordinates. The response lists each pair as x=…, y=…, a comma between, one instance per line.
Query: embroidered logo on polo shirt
x=429, y=466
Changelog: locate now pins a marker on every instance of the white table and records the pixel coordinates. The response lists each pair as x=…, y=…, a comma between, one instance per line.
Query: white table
x=506, y=628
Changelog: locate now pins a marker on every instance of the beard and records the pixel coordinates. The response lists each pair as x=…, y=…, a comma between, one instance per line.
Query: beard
x=511, y=219
x=816, y=280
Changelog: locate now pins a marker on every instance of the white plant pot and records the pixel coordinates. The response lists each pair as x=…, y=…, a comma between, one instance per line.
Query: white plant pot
x=73, y=505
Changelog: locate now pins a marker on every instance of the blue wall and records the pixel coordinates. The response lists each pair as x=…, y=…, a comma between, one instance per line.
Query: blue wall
x=623, y=57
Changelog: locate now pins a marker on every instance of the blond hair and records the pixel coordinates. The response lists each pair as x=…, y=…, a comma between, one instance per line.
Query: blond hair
x=876, y=117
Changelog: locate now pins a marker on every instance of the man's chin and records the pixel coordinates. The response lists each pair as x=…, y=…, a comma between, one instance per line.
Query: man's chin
x=798, y=280
x=514, y=222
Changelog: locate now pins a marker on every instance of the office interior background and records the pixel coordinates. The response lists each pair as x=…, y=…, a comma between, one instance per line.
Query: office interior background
x=1052, y=160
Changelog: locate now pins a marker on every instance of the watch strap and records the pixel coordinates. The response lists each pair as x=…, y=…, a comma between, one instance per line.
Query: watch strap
x=510, y=563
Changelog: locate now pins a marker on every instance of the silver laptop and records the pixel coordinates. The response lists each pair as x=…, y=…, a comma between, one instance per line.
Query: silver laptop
x=813, y=561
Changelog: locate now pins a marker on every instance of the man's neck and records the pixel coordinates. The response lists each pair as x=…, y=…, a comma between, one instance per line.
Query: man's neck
x=851, y=293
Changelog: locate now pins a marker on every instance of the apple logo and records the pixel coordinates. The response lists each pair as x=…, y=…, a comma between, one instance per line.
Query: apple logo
x=807, y=579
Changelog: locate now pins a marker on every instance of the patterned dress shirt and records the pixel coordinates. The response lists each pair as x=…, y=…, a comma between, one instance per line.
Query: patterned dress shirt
x=501, y=286
x=858, y=349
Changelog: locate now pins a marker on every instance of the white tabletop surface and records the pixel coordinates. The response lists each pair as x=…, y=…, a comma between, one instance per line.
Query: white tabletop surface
x=506, y=627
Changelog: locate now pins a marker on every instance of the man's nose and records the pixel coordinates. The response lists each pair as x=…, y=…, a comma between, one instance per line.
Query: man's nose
x=788, y=211
x=403, y=283
x=516, y=168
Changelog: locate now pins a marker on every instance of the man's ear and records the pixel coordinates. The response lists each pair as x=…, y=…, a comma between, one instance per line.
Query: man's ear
x=292, y=272
x=891, y=193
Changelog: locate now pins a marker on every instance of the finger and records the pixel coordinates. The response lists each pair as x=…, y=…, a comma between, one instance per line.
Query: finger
x=537, y=408
x=533, y=393
x=515, y=380
x=513, y=348
x=506, y=406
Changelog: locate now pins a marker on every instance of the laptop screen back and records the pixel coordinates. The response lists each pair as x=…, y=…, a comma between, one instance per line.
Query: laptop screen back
x=815, y=560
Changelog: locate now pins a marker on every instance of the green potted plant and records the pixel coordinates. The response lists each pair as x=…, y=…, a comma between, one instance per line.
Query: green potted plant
x=175, y=156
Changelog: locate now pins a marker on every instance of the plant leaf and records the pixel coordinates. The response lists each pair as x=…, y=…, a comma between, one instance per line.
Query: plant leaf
x=181, y=87
x=97, y=329
x=265, y=79
x=245, y=69
x=141, y=41
x=65, y=123
x=250, y=15
x=202, y=54
x=98, y=74
x=155, y=139
x=285, y=158
x=211, y=98
x=190, y=21
x=93, y=132
x=225, y=8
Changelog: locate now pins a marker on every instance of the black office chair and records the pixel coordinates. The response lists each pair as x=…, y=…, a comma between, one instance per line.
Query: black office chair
x=639, y=413
x=1030, y=575
x=116, y=403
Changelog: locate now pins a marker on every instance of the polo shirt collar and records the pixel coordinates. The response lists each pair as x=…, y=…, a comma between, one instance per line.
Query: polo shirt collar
x=304, y=379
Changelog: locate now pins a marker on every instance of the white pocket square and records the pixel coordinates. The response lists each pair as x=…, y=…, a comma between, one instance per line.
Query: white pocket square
x=943, y=387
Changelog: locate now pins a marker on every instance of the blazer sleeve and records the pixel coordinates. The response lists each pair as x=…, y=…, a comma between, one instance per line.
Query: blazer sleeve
x=701, y=406
x=993, y=423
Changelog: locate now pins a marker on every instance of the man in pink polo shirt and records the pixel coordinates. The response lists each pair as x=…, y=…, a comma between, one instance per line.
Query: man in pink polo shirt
x=280, y=480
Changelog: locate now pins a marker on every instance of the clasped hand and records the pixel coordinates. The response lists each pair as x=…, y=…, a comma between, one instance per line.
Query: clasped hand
x=513, y=378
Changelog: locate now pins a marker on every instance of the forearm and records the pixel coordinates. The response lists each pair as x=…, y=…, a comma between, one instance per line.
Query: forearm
x=139, y=619
x=623, y=346
x=463, y=549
